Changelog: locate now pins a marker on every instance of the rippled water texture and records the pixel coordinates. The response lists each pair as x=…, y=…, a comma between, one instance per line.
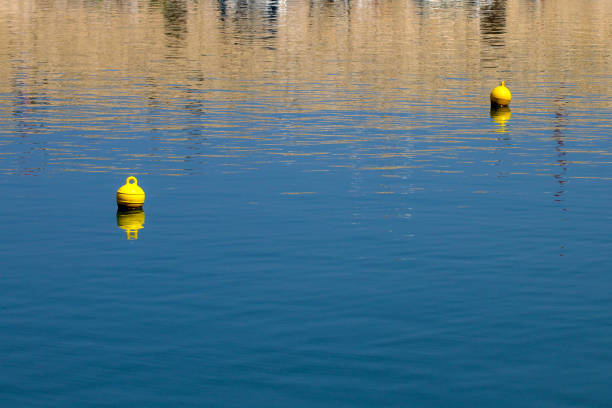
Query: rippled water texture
x=334, y=215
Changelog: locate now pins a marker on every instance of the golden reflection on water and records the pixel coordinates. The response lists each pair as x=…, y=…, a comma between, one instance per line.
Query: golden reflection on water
x=131, y=221
x=184, y=77
x=501, y=115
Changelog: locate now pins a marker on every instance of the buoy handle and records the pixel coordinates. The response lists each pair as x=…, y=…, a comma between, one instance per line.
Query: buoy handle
x=131, y=178
x=503, y=83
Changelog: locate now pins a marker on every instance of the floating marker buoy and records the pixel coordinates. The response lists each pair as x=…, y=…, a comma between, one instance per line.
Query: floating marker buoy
x=130, y=195
x=501, y=95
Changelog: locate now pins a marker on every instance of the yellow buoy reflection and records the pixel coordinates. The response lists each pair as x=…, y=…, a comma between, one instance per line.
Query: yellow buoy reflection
x=501, y=115
x=131, y=221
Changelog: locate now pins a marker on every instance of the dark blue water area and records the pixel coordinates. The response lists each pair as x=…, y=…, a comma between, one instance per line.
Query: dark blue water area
x=334, y=214
x=420, y=256
x=237, y=293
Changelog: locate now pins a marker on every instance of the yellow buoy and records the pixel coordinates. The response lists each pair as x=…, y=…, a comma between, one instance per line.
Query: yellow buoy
x=501, y=95
x=130, y=195
x=131, y=221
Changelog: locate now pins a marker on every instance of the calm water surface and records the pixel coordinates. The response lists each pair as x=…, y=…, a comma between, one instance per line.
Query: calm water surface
x=334, y=214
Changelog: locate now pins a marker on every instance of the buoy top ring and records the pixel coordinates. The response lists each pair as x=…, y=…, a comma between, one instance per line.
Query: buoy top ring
x=130, y=194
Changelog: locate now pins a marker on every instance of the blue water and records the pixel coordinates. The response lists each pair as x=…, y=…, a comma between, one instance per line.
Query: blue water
x=306, y=241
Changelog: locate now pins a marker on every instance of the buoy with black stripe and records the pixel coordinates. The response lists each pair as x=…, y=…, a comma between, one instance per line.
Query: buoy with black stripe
x=130, y=195
x=500, y=95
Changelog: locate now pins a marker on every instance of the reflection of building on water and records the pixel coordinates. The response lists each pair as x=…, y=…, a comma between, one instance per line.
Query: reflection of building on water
x=493, y=22
x=175, y=24
x=246, y=21
x=492, y=33
x=29, y=123
x=561, y=174
x=131, y=221
x=223, y=51
x=175, y=17
x=559, y=124
x=316, y=38
x=490, y=17
x=474, y=6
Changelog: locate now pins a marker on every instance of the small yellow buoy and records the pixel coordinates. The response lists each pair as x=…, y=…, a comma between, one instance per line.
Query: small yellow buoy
x=131, y=221
x=130, y=195
x=501, y=95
